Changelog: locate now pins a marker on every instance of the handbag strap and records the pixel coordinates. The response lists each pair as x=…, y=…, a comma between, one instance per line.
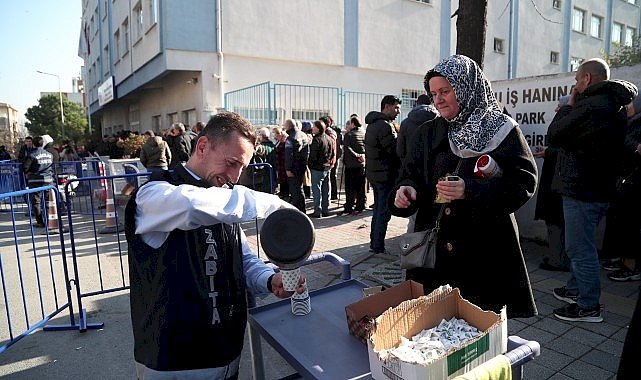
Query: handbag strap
x=442, y=208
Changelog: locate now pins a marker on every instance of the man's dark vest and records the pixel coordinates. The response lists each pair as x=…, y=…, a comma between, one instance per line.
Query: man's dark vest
x=41, y=169
x=179, y=323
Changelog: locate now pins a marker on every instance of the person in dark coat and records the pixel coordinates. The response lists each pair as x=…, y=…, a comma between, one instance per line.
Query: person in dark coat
x=549, y=208
x=421, y=113
x=354, y=166
x=589, y=132
x=478, y=249
x=381, y=165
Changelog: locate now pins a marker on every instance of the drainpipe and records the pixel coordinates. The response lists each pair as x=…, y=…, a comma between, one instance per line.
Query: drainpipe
x=219, y=51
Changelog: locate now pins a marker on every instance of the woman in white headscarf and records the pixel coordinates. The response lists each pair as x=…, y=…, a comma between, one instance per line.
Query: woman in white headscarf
x=478, y=247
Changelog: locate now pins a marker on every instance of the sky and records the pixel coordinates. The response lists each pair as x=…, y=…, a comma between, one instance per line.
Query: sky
x=37, y=35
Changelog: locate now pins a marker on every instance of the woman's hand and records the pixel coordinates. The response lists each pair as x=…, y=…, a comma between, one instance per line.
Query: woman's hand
x=404, y=196
x=451, y=190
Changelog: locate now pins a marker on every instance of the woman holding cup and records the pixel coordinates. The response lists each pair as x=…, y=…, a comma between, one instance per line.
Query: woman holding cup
x=478, y=247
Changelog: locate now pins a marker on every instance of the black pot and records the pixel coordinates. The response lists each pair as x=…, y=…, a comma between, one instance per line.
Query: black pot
x=287, y=237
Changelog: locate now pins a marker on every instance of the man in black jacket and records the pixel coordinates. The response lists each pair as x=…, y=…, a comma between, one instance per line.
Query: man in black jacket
x=381, y=165
x=589, y=132
x=420, y=114
x=38, y=169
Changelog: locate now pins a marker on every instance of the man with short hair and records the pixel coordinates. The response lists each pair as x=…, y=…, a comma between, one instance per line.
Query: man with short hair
x=189, y=260
x=38, y=169
x=589, y=132
x=381, y=165
x=180, y=145
x=25, y=149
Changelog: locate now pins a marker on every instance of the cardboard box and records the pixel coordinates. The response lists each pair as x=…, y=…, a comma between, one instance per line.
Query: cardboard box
x=411, y=317
x=361, y=314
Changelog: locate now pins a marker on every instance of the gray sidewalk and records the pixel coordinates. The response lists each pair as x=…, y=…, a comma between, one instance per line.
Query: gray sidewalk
x=569, y=350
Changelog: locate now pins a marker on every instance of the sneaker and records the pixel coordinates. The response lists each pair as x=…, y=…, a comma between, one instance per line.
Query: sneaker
x=575, y=313
x=612, y=264
x=315, y=215
x=562, y=294
x=625, y=274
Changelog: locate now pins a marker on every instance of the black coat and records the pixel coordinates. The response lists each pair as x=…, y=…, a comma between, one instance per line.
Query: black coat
x=381, y=161
x=590, y=137
x=478, y=247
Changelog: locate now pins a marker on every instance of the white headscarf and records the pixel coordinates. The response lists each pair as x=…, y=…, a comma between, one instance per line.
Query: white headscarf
x=480, y=125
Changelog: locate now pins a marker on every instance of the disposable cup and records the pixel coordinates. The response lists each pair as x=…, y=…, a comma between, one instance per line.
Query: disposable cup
x=290, y=279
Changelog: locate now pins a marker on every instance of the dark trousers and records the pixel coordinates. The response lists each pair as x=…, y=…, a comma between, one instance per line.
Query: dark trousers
x=36, y=206
x=381, y=216
x=354, y=189
x=622, y=225
x=296, y=190
x=332, y=181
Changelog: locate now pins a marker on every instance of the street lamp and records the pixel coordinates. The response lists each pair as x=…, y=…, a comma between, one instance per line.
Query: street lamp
x=62, y=110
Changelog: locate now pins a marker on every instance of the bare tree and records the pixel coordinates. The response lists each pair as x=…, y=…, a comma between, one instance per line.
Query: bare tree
x=471, y=24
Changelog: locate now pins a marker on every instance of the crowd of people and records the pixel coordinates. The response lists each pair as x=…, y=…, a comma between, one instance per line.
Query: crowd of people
x=431, y=155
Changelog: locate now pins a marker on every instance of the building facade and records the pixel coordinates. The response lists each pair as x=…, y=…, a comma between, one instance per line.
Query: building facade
x=9, y=128
x=150, y=63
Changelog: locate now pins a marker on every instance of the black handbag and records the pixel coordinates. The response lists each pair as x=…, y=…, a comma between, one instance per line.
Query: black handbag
x=418, y=249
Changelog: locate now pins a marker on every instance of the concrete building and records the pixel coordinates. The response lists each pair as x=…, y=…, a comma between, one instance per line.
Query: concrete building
x=150, y=63
x=9, y=127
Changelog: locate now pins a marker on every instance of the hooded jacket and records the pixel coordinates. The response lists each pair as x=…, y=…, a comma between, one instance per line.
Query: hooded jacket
x=381, y=161
x=155, y=153
x=590, y=138
x=417, y=116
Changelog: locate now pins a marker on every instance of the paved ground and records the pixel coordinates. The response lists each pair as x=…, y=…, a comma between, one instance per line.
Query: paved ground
x=569, y=350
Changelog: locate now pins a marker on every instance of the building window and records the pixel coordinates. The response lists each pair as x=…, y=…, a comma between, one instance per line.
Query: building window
x=156, y=123
x=578, y=20
x=617, y=30
x=125, y=36
x=118, y=42
x=498, y=45
x=595, y=26
x=575, y=62
x=172, y=118
x=106, y=70
x=556, y=4
x=134, y=117
x=151, y=13
x=630, y=34
x=138, y=17
x=554, y=57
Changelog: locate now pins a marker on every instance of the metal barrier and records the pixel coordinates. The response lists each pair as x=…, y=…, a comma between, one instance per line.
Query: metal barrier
x=37, y=278
x=267, y=104
x=43, y=275
x=11, y=180
x=35, y=281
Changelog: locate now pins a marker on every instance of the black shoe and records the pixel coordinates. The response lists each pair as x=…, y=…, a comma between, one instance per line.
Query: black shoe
x=574, y=313
x=326, y=214
x=562, y=294
x=545, y=265
x=612, y=264
x=625, y=274
x=315, y=215
x=39, y=225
